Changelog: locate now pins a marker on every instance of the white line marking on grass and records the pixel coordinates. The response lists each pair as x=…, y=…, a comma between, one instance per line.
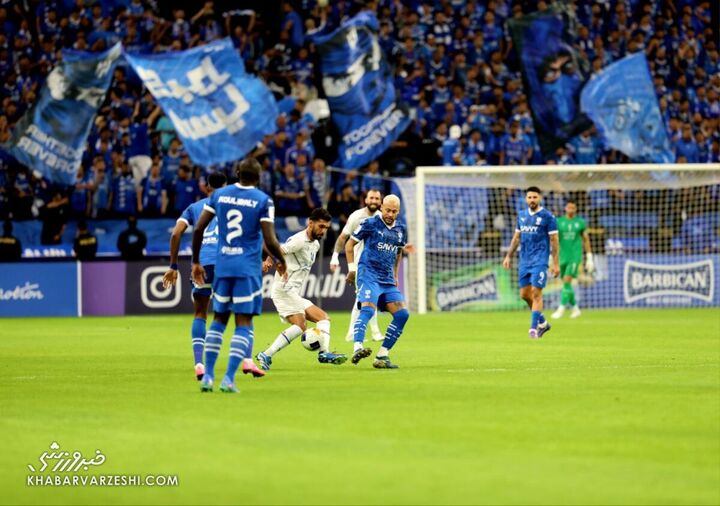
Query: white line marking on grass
x=636, y=366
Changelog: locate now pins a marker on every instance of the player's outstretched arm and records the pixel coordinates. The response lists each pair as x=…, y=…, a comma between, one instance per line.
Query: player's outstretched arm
x=198, y=273
x=273, y=246
x=350, y=256
x=339, y=246
x=171, y=275
x=507, y=262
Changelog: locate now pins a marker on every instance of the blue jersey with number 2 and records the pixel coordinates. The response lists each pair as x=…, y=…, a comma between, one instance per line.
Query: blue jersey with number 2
x=239, y=211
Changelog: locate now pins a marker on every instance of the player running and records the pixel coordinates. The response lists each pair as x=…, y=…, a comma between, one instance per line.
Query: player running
x=573, y=240
x=245, y=217
x=300, y=251
x=372, y=208
x=377, y=278
x=536, y=232
x=200, y=293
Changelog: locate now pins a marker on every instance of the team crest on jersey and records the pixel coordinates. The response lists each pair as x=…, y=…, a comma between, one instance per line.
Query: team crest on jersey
x=399, y=235
x=538, y=220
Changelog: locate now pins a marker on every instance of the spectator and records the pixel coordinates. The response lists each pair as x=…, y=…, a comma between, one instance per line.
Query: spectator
x=81, y=198
x=346, y=203
x=372, y=179
x=132, y=241
x=152, y=194
x=10, y=247
x=85, y=244
x=686, y=146
x=515, y=148
x=318, y=185
x=290, y=193
x=585, y=148
x=54, y=216
x=186, y=190
x=102, y=189
x=123, y=196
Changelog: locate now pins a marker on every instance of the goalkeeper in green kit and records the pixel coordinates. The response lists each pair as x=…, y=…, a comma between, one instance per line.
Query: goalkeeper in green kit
x=573, y=240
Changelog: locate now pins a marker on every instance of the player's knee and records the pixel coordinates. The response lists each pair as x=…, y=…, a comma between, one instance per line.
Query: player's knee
x=367, y=312
x=401, y=316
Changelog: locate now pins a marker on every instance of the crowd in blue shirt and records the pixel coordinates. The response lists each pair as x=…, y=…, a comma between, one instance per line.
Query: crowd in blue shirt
x=454, y=66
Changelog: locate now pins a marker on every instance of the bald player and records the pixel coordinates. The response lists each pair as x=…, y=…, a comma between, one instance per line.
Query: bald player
x=377, y=278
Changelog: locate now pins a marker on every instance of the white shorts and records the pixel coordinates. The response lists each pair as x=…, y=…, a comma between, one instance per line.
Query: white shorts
x=289, y=303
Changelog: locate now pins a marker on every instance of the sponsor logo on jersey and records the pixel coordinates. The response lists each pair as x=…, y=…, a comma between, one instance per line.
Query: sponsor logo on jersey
x=455, y=295
x=648, y=281
x=383, y=246
x=529, y=229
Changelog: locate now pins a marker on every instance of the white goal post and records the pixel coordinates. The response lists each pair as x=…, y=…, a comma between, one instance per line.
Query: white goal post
x=654, y=229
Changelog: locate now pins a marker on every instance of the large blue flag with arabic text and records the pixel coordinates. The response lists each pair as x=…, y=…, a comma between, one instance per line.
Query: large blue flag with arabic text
x=50, y=138
x=621, y=102
x=219, y=111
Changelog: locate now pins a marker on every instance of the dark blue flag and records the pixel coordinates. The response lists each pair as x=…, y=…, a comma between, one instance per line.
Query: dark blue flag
x=359, y=88
x=219, y=111
x=553, y=74
x=621, y=102
x=50, y=138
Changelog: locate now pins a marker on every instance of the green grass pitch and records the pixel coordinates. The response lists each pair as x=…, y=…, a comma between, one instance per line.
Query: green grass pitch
x=616, y=407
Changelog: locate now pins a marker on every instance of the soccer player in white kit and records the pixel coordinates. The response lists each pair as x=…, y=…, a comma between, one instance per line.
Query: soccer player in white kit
x=373, y=199
x=300, y=251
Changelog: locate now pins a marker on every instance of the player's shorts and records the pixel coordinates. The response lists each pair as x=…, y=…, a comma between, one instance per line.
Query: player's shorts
x=379, y=294
x=206, y=288
x=535, y=276
x=289, y=303
x=239, y=295
x=569, y=269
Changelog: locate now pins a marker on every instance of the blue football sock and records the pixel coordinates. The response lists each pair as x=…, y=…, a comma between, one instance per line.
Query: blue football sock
x=198, y=339
x=240, y=348
x=541, y=318
x=395, y=328
x=213, y=343
x=535, y=319
x=366, y=314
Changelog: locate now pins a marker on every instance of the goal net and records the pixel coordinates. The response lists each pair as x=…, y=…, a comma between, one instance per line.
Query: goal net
x=654, y=231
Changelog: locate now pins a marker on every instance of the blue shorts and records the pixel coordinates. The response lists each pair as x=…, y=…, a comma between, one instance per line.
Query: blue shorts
x=535, y=276
x=379, y=294
x=205, y=289
x=239, y=295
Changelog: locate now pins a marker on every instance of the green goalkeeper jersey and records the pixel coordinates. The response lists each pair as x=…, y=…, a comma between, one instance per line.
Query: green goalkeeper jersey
x=571, y=231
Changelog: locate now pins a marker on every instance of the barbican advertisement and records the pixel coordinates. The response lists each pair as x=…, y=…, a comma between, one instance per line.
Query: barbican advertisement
x=619, y=281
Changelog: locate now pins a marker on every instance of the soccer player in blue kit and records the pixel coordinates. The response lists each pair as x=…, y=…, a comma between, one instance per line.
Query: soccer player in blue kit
x=537, y=234
x=200, y=293
x=245, y=218
x=377, y=278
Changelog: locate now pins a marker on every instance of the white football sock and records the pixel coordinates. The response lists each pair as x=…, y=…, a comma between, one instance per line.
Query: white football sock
x=353, y=318
x=282, y=340
x=324, y=327
x=357, y=346
x=383, y=352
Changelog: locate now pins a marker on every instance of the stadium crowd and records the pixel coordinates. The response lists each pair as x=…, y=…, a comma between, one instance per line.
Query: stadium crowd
x=454, y=66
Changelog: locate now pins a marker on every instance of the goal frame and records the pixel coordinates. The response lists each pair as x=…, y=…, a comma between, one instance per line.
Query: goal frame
x=423, y=171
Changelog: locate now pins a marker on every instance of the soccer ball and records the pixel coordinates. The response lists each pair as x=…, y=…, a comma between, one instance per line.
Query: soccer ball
x=312, y=339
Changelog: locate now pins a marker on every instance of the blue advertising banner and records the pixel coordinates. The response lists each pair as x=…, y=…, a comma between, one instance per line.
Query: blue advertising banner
x=622, y=103
x=39, y=289
x=219, y=111
x=359, y=88
x=50, y=138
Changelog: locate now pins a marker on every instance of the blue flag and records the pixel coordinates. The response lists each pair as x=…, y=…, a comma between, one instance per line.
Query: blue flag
x=50, y=138
x=621, y=101
x=553, y=74
x=359, y=88
x=219, y=111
